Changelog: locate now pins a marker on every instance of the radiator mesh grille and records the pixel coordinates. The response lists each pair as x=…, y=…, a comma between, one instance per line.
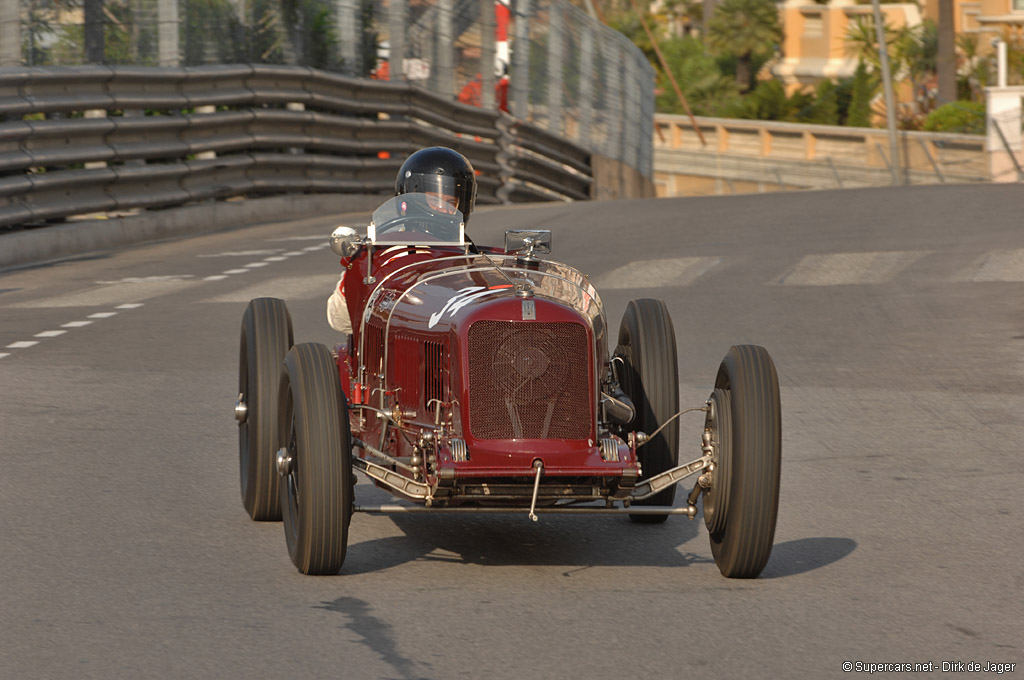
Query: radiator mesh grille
x=529, y=380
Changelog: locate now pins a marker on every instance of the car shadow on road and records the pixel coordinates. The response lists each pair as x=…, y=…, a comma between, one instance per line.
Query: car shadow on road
x=503, y=540
x=806, y=554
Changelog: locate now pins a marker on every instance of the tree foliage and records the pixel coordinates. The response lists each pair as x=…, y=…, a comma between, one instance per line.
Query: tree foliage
x=743, y=28
x=966, y=117
x=864, y=87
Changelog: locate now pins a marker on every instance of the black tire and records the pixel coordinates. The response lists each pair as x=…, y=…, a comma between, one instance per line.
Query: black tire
x=650, y=377
x=266, y=337
x=742, y=542
x=317, y=494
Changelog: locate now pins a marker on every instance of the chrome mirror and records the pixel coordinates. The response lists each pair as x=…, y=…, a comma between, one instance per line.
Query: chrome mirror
x=345, y=241
x=526, y=242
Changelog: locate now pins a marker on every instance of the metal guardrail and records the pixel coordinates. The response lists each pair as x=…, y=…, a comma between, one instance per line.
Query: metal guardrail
x=76, y=140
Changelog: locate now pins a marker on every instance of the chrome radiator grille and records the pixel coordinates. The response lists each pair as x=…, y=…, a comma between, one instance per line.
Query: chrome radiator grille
x=529, y=380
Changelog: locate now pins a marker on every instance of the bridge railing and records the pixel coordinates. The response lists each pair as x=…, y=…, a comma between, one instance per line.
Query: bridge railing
x=77, y=140
x=801, y=156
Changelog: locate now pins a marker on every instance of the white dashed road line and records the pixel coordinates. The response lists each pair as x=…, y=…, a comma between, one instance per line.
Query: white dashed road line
x=255, y=265
x=288, y=287
x=842, y=269
x=236, y=271
x=25, y=344
x=662, y=273
x=216, y=277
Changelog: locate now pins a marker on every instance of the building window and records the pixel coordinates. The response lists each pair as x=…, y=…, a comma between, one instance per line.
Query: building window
x=1018, y=5
x=813, y=24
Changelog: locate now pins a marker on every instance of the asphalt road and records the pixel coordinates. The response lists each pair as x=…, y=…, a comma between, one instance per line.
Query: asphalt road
x=896, y=320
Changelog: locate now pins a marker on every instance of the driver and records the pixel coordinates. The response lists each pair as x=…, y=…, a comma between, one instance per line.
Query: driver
x=449, y=182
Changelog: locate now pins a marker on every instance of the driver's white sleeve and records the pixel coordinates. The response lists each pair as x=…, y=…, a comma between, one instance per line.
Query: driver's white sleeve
x=337, y=310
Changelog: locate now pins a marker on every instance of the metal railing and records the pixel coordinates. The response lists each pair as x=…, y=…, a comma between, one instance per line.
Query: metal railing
x=76, y=140
x=566, y=72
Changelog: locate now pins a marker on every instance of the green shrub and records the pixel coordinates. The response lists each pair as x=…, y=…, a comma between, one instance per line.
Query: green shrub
x=960, y=116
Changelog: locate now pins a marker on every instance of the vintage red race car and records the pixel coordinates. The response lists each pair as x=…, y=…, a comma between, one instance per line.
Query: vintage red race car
x=479, y=379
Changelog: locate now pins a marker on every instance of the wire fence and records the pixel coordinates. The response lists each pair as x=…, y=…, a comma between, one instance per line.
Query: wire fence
x=543, y=61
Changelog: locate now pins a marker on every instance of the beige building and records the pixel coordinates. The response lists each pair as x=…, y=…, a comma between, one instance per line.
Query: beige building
x=815, y=45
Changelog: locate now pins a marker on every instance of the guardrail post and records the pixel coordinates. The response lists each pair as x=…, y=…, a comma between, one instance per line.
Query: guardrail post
x=723, y=138
x=444, y=48
x=631, y=115
x=10, y=33
x=487, y=61
x=345, y=17
x=169, y=51
x=396, y=39
x=519, y=80
x=586, y=107
x=555, y=65
x=809, y=145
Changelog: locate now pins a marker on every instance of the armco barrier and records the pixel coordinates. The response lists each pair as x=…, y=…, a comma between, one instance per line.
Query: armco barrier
x=78, y=140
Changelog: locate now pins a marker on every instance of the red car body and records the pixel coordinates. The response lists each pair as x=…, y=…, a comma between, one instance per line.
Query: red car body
x=501, y=356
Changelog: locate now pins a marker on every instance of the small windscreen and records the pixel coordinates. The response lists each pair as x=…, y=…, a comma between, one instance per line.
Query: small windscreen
x=422, y=218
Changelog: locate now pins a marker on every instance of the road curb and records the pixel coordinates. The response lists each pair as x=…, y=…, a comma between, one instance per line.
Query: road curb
x=58, y=242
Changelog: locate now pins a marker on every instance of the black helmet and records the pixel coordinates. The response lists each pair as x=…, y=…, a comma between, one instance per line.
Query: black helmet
x=438, y=169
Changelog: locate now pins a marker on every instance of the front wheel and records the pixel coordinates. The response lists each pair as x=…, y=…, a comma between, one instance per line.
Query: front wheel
x=650, y=377
x=315, y=461
x=266, y=337
x=745, y=421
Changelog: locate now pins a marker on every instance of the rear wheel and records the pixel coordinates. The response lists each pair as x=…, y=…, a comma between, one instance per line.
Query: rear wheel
x=316, y=463
x=266, y=337
x=649, y=375
x=745, y=487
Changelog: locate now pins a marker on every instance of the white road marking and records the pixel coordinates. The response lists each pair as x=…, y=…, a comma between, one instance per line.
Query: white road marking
x=4, y=354
x=839, y=269
x=217, y=277
x=999, y=265
x=130, y=305
x=114, y=293
x=22, y=344
x=298, y=238
x=662, y=273
x=49, y=334
x=146, y=279
x=276, y=258
x=75, y=324
x=102, y=315
x=293, y=253
x=310, y=249
x=236, y=271
x=255, y=265
x=241, y=253
x=288, y=288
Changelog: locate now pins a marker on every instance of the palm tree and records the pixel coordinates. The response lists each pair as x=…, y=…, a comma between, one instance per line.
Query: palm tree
x=742, y=28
